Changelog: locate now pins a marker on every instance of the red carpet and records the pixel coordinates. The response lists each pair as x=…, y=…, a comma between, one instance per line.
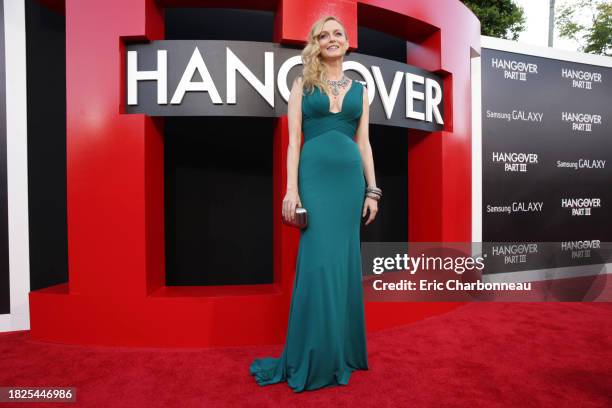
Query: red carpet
x=480, y=355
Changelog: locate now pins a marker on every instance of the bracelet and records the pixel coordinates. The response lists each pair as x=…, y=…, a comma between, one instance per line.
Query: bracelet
x=374, y=193
x=374, y=190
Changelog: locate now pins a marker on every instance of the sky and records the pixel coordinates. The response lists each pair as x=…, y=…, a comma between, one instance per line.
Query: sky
x=536, y=32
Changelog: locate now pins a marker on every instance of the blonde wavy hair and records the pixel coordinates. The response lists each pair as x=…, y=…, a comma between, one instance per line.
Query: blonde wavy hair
x=314, y=72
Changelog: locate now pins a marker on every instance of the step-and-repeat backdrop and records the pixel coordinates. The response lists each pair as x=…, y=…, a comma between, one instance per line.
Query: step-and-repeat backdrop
x=546, y=160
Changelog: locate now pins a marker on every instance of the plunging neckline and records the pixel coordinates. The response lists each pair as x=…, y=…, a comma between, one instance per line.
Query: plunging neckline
x=343, y=98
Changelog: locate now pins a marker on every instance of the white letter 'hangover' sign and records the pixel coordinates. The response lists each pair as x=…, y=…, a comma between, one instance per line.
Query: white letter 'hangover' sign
x=241, y=78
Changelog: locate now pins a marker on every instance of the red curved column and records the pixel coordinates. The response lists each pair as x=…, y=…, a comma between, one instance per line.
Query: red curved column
x=116, y=293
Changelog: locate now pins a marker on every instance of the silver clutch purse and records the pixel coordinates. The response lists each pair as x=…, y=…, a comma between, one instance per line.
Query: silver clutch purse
x=300, y=220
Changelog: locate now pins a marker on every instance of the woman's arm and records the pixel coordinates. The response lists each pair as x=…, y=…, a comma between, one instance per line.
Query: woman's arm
x=294, y=116
x=363, y=141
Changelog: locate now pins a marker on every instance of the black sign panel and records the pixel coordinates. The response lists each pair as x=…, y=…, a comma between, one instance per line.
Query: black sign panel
x=546, y=150
x=242, y=78
x=5, y=295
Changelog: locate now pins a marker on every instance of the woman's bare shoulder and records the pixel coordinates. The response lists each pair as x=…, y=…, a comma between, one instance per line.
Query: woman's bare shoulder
x=298, y=82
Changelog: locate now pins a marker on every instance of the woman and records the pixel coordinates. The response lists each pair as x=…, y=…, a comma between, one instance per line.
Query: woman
x=326, y=334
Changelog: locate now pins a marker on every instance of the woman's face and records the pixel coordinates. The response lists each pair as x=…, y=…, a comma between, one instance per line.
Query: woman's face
x=332, y=40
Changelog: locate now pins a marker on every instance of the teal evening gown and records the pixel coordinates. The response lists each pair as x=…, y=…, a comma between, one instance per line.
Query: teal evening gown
x=326, y=338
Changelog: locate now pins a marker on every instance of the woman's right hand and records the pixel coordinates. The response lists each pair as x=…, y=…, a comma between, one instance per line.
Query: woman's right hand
x=290, y=202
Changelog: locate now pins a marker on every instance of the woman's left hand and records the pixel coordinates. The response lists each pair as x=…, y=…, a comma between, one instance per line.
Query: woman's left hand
x=371, y=205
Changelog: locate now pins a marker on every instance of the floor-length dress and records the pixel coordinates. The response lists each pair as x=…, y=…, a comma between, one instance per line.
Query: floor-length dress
x=326, y=338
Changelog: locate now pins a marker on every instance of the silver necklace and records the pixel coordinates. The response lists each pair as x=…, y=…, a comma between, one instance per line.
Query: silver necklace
x=340, y=83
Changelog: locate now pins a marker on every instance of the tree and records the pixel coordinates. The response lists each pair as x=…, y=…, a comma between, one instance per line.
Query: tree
x=595, y=38
x=498, y=18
